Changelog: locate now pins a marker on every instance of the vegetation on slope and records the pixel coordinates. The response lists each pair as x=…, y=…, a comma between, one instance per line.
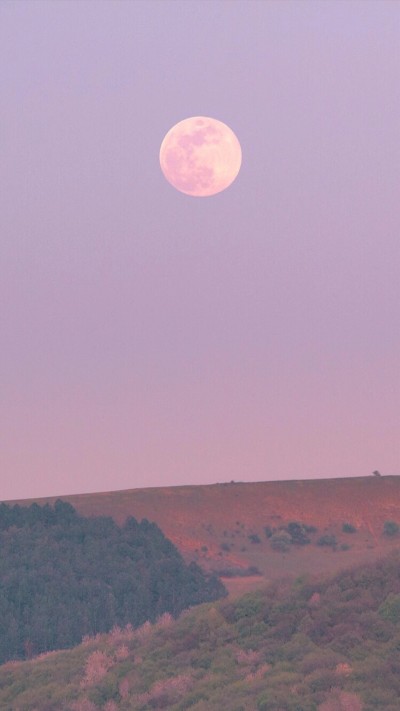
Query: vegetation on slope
x=63, y=576
x=215, y=524
x=327, y=645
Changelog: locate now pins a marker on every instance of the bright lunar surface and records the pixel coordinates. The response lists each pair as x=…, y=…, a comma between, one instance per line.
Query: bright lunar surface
x=200, y=156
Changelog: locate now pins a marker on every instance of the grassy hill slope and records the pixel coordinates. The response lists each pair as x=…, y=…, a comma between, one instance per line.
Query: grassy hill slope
x=218, y=525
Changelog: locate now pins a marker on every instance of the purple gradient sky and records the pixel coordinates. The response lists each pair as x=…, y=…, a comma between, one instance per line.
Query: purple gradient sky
x=149, y=338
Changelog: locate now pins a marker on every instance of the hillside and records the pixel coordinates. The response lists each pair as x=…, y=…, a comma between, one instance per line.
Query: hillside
x=222, y=526
x=311, y=645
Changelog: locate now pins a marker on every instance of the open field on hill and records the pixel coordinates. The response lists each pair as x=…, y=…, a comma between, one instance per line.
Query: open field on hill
x=223, y=526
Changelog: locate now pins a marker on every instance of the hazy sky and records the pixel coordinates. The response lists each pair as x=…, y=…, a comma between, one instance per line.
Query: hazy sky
x=149, y=338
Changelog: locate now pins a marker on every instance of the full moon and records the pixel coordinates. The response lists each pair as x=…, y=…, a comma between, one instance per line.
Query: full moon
x=200, y=156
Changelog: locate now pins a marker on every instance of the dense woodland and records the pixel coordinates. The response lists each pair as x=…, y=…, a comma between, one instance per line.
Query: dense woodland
x=307, y=645
x=63, y=576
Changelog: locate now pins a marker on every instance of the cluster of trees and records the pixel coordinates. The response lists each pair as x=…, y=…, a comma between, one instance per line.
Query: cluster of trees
x=300, y=534
x=289, y=536
x=307, y=645
x=63, y=576
x=295, y=533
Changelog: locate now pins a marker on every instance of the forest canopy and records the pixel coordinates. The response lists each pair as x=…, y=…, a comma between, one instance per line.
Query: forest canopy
x=63, y=576
x=309, y=644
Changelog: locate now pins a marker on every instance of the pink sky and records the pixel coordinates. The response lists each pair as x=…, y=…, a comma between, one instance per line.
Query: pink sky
x=149, y=338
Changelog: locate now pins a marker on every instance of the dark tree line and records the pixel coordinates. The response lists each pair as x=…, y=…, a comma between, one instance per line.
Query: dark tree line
x=63, y=576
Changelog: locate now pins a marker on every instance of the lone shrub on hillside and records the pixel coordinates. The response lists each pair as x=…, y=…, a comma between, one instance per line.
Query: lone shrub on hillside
x=390, y=528
x=390, y=608
x=309, y=528
x=280, y=541
x=298, y=533
x=329, y=539
x=349, y=528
